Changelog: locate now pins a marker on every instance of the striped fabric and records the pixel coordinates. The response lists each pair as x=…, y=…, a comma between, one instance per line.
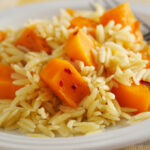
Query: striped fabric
x=137, y=147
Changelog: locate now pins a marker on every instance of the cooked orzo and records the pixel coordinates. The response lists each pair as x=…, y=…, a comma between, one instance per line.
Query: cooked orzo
x=75, y=74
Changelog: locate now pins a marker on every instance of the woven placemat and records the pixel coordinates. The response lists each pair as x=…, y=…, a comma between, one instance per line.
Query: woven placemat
x=6, y=4
x=137, y=147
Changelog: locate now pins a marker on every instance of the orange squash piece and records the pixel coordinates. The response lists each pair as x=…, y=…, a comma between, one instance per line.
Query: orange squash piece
x=65, y=81
x=7, y=88
x=123, y=15
x=2, y=36
x=80, y=22
x=70, y=11
x=31, y=41
x=135, y=96
x=146, y=56
x=136, y=30
x=79, y=46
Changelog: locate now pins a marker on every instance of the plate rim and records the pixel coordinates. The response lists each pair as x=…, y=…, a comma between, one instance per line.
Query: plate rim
x=81, y=141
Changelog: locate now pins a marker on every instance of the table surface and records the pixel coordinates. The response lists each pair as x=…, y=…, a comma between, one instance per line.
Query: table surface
x=6, y=4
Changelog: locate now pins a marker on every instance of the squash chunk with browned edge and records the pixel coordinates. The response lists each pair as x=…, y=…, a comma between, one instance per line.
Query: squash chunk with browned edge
x=7, y=88
x=123, y=15
x=65, y=81
x=33, y=42
x=79, y=47
x=135, y=96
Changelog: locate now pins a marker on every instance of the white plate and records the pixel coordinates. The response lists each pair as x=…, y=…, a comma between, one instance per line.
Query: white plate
x=111, y=139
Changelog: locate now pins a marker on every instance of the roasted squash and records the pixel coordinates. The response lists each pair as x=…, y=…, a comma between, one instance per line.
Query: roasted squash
x=65, y=81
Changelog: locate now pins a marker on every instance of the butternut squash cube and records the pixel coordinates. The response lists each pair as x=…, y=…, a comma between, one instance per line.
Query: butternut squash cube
x=79, y=47
x=31, y=41
x=65, y=81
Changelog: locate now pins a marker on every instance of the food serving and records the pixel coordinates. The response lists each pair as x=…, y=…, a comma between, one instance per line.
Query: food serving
x=77, y=74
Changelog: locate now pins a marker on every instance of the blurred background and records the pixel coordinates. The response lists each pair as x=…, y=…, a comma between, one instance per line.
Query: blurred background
x=6, y=4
